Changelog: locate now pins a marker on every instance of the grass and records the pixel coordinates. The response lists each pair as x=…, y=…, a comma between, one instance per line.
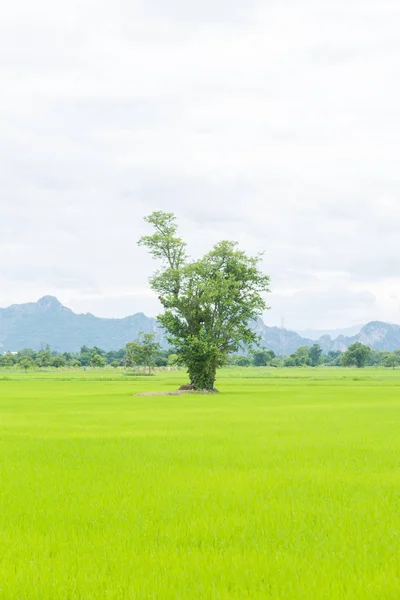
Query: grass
x=286, y=485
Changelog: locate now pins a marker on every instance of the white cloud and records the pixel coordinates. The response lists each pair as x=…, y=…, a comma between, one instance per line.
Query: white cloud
x=277, y=125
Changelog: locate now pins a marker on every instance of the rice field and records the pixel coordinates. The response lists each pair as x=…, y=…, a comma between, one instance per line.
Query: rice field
x=285, y=485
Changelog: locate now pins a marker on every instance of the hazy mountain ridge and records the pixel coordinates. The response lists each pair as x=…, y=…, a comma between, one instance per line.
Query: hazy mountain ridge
x=316, y=334
x=36, y=324
x=47, y=321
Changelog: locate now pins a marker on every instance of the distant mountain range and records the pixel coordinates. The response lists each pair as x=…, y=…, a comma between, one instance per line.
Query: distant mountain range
x=314, y=334
x=48, y=322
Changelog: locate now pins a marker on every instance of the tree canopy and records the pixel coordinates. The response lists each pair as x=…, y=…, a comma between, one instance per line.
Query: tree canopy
x=357, y=355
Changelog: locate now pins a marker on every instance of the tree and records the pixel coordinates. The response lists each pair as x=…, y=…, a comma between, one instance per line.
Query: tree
x=243, y=361
x=315, y=355
x=333, y=358
x=290, y=361
x=391, y=360
x=143, y=351
x=26, y=363
x=97, y=361
x=276, y=363
x=44, y=358
x=300, y=358
x=173, y=360
x=374, y=358
x=209, y=304
x=58, y=361
x=8, y=360
x=356, y=355
x=262, y=357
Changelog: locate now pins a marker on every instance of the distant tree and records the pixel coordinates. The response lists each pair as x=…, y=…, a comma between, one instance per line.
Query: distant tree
x=209, y=304
x=262, y=357
x=115, y=355
x=99, y=351
x=97, y=361
x=143, y=351
x=58, y=361
x=26, y=352
x=290, y=361
x=276, y=363
x=8, y=360
x=161, y=360
x=300, y=358
x=374, y=358
x=26, y=363
x=173, y=360
x=44, y=358
x=114, y=364
x=315, y=354
x=332, y=359
x=85, y=356
x=356, y=355
x=391, y=360
x=243, y=361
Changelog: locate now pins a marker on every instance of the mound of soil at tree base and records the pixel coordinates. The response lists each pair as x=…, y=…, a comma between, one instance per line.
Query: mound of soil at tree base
x=184, y=390
x=190, y=388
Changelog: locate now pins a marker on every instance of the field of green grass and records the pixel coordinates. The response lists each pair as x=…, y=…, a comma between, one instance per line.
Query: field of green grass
x=285, y=485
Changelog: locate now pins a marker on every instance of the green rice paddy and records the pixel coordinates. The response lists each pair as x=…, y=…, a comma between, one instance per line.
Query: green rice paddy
x=285, y=485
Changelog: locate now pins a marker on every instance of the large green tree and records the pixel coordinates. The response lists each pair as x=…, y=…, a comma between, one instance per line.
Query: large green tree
x=210, y=303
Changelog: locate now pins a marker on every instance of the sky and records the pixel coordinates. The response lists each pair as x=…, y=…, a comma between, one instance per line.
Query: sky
x=274, y=123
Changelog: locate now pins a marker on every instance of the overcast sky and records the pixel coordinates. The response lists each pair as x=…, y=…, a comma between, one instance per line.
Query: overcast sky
x=275, y=123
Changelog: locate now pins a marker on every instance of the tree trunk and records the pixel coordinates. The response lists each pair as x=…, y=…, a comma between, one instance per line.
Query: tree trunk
x=202, y=376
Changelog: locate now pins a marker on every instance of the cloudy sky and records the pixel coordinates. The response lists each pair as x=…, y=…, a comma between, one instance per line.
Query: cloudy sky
x=275, y=123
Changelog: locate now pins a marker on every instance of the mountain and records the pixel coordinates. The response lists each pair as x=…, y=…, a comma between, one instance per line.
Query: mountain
x=314, y=334
x=281, y=341
x=376, y=335
x=47, y=321
x=36, y=324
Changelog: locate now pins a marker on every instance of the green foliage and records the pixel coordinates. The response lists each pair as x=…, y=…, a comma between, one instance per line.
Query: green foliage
x=242, y=361
x=276, y=363
x=300, y=358
x=263, y=357
x=356, y=355
x=209, y=303
x=97, y=361
x=315, y=355
x=44, y=358
x=332, y=359
x=391, y=360
x=143, y=351
x=8, y=360
x=173, y=359
x=26, y=363
x=58, y=361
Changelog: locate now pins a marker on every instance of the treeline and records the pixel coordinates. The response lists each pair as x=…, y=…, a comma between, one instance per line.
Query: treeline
x=149, y=354
x=86, y=357
x=357, y=355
